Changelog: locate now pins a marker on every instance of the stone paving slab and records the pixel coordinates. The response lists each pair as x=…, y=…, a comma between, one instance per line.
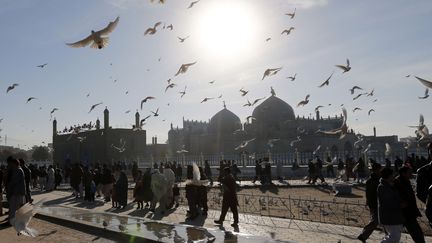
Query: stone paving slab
x=276, y=228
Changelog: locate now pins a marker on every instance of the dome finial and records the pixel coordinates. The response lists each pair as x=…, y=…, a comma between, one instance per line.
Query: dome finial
x=224, y=105
x=273, y=93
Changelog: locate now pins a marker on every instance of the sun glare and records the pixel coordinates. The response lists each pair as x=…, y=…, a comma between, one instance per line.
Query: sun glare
x=227, y=29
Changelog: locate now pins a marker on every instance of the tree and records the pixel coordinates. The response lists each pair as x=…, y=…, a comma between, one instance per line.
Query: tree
x=40, y=153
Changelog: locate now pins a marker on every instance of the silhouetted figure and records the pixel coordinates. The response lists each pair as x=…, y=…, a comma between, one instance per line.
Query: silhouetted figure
x=15, y=187
x=410, y=212
x=121, y=188
x=229, y=200
x=258, y=169
x=424, y=183
x=27, y=177
x=371, y=201
x=208, y=172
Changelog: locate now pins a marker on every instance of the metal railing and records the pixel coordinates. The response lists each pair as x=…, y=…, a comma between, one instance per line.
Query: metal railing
x=340, y=212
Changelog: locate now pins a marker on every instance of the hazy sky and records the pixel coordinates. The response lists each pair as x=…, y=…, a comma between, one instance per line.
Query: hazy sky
x=384, y=40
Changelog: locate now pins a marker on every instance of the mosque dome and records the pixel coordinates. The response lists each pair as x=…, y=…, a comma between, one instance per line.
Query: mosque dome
x=273, y=111
x=224, y=121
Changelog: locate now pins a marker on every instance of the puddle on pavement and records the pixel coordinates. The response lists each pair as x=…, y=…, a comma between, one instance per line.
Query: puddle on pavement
x=153, y=230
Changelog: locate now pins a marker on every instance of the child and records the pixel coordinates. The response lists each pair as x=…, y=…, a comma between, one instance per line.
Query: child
x=176, y=194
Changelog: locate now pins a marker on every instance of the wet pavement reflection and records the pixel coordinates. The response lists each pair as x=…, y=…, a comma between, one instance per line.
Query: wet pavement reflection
x=152, y=230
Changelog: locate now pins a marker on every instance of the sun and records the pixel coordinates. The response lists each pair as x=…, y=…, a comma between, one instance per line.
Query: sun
x=227, y=29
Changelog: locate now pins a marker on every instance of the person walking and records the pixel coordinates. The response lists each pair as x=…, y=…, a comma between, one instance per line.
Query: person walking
x=15, y=187
x=411, y=211
x=390, y=207
x=371, y=201
x=27, y=177
x=258, y=170
x=121, y=189
x=229, y=198
x=424, y=183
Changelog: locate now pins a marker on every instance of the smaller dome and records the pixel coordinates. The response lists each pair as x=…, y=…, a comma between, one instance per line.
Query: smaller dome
x=225, y=122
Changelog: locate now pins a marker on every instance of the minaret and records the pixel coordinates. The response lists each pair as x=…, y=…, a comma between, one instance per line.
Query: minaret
x=54, y=127
x=374, y=131
x=106, y=118
x=97, y=124
x=137, y=119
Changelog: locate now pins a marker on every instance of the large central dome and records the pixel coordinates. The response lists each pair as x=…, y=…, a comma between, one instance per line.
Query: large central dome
x=224, y=122
x=272, y=111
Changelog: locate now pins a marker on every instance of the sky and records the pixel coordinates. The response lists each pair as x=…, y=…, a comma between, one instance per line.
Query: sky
x=384, y=41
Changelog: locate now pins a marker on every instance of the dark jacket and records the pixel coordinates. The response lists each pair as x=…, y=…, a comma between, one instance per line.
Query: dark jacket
x=424, y=181
x=229, y=190
x=371, y=191
x=389, y=204
x=121, y=188
x=407, y=195
x=16, y=183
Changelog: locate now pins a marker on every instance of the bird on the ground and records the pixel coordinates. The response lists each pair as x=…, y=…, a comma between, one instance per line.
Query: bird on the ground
x=304, y=102
x=146, y=99
x=271, y=142
x=170, y=27
x=94, y=106
x=244, y=144
x=426, y=94
x=169, y=86
x=193, y=4
x=287, y=31
x=354, y=88
x=122, y=228
x=42, y=65
x=13, y=86
x=257, y=100
x=156, y=112
x=293, y=142
x=243, y=92
x=206, y=99
x=248, y=103
x=183, y=92
x=212, y=82
x=31, y=98
x=342, y=130
x=345, y=68
x=327, y=81
x=97, y=39
x=370, y=111
x=318, y=107
x=357, y=109
x=152, y=31
x=371, y=93
x=182, y=39
x=292, y=77
x=184, y=67
x=270, y=72
x=292, y=15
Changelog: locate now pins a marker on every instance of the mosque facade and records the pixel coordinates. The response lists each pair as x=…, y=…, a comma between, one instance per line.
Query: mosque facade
x=272, y=128
x=95, y=144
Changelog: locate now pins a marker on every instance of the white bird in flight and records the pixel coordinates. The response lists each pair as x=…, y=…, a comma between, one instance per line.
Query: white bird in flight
x=22, y=219
x=292, y=15
x=97, y=39
x=94, y=106
x=425, y=82
x=152, y=31
x=11, y=87
x=345, y=68
x=342, y=130
x=270, y=72
x=426, y=94
x=184, y=67
x=244, y=144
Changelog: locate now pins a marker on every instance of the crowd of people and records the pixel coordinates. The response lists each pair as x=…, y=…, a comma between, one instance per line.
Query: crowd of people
x=391, y=198
x=389, y=194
